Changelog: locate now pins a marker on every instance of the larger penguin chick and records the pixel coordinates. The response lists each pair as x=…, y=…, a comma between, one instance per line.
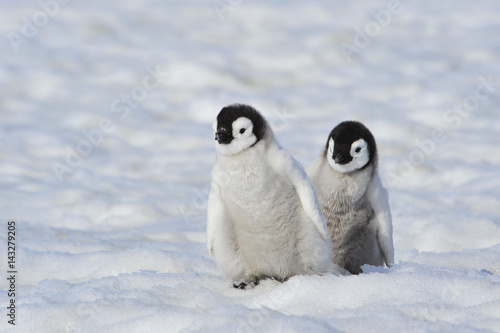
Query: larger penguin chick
x=353, y=199
x=264, y=220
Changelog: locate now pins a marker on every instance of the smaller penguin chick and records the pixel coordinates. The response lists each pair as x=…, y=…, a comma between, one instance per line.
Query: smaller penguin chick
x=353, y=199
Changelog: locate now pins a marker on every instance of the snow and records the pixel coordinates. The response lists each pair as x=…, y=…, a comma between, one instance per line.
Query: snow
x=115, y=241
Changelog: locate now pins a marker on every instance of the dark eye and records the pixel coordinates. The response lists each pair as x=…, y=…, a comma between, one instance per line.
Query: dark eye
x=358, y=150
x=242, y=130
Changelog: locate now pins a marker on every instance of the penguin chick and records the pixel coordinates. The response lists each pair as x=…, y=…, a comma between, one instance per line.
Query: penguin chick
x=353, y=199
x=264, y=219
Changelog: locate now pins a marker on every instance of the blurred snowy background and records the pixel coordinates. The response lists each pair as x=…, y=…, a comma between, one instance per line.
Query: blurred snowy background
x=107, y=149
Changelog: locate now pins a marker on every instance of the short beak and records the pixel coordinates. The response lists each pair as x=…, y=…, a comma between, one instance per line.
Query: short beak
x=339, y=159
x=223, y=137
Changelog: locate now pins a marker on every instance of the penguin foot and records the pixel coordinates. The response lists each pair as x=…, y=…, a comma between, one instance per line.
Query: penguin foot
x=281, y=280
x=252, y=284
x=353, y=269
x=241, y=285
x=244, y=285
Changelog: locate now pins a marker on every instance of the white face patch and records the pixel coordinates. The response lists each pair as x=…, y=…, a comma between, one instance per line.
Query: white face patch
x=331, y=146
x=359, y=153
x=242, y=130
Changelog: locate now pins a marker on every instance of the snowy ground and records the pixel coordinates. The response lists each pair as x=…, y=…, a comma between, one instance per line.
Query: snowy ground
x=106, y=168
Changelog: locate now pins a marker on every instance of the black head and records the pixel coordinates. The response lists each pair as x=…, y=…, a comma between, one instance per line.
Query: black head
x=351, y=146
x=238, y=127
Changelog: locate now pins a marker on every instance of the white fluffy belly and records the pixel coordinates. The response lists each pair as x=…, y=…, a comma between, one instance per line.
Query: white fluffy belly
x=266, y=226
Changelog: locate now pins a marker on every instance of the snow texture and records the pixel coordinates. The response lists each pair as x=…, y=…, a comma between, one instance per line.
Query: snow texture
x=107, y=150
